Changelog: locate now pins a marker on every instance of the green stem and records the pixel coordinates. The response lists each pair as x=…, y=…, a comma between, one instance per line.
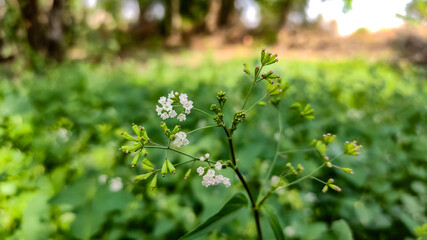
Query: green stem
x=259, y=100
x=200, y=128
x=247, y=96
x=200, y=110
x=319, y=180
x=255, y=81
x=254, y=208
x=277, y=151
x=177, y=151
x=177, y=164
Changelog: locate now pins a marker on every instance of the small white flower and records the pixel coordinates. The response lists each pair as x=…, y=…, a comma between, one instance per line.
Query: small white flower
x=226, y=182
x=159, y=110
x=183, y=98
x=211, y=172
x=172, y=94
x=200, y=171
x=275, y=180
x=181, y=135
x=162, y=100
x=164, y=115
x=181, y=117
x=102, y=178
x=169, y=101
x=116, y=184
x=180, y=139
x=207, y=155
x=202, y=159
x=218, y=179
x=218, y=166
x=187, y=111
x=185, y=142
x=167, y=107
x=188, y=105
x=172, y=114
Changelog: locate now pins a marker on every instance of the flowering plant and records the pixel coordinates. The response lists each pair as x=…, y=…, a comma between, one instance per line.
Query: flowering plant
x=209, y=169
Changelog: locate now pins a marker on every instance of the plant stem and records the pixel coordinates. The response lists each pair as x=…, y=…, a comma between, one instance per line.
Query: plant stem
x=200, y=110
x=247, y=96
x=255, y=210
x=277, y=152
x=259, y=100
x=200, y=128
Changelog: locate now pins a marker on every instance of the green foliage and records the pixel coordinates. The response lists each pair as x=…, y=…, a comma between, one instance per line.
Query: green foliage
x=58, y=151
x=274, y=223
x=237, y=202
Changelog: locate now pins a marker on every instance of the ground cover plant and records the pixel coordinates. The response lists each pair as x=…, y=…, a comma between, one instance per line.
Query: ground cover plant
x=178, y=105
x=59, y=137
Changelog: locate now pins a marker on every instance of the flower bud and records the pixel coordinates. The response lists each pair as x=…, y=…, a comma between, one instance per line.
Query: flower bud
x=325, y=188
x=135, y=160
x=348, y=170
x=143, y=176
x=127, y=136
x=335, y=187
x=153, y=182
x=147, y=165
x=176, y=129
x=171, y=168
x=137, y=130
x=164, y=168
x=187, y=175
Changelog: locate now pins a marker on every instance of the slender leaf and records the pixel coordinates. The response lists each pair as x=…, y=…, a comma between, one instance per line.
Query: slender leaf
x=341, y=230
x=274, y=223
x=237, y=202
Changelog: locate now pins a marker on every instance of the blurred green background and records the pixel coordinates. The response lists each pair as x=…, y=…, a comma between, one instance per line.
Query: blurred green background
x=64, y=99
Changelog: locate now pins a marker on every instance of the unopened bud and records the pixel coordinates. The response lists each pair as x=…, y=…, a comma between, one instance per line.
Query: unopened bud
x=187, y=175
x=348, y=170
x=325, y=188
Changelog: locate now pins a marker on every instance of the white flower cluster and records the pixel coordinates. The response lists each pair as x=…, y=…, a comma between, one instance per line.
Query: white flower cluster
x=180, y=139
x=210, y=179
x=203, y=158
x=166, y=110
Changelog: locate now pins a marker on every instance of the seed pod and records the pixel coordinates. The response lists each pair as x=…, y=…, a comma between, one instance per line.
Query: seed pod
x=143, y=176
x=147, y=165
x=187, y=175
x=164, y=168
x=135, y=160
x=170, y=167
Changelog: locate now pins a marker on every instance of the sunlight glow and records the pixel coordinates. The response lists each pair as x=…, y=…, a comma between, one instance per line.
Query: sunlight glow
x=371, y=14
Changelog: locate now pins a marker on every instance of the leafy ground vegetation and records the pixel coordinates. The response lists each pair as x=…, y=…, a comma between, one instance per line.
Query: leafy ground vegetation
x=61, y=175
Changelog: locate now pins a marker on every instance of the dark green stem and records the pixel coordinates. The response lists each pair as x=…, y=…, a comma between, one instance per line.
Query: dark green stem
x=254, y=208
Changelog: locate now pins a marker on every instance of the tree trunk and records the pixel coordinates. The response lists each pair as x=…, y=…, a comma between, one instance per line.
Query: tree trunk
x=174, y=39
x=283, y=17
x=211, y=20
x=226, y=13
x=35, y=32
x=55, y=33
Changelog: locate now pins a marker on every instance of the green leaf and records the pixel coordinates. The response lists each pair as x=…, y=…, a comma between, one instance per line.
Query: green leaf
x=237, y=202
x=341, y=230
x=274, y=223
